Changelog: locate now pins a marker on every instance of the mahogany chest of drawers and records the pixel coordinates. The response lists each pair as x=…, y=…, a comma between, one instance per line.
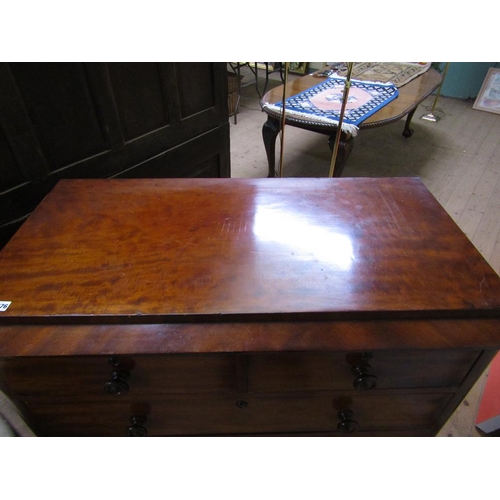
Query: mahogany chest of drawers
x=243, y=307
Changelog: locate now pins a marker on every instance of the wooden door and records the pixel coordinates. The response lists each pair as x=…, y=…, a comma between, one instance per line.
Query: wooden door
x=100, y=120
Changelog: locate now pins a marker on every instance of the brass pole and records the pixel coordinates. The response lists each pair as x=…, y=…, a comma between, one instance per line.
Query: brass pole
x=282, y=131
x=430, y=116
x=345, y=96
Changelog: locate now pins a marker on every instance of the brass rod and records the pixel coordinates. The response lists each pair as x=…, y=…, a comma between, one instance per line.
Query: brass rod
x=283, y=121
x=345, y=97
x=439, y=89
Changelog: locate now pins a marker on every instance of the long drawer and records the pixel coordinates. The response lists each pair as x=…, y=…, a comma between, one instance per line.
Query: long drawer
x=204, y=415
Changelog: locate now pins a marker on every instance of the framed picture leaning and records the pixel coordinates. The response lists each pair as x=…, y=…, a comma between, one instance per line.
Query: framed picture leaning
x=488, y=98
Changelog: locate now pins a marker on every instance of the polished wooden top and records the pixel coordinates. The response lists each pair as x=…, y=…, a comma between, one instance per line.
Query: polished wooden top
x=409, y=96
x=197, y=250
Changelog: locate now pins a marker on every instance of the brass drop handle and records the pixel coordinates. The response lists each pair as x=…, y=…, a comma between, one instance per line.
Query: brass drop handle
x=117, y=385
x=137, y=427
x=364, y=379
x=347, y=424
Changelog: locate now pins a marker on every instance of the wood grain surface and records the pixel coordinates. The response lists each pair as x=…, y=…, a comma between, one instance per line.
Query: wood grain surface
x=243, y=306
x=157, y=251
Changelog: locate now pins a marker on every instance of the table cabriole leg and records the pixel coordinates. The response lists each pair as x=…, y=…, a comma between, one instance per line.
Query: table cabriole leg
x=408, y=132
x=270, y=131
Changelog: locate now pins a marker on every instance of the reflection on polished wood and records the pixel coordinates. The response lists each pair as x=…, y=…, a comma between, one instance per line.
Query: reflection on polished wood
x=212, y=249
x=244, y=306
x=410, y=96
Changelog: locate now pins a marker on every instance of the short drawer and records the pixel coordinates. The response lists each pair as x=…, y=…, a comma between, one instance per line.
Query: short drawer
x=277, y=372
x=105, y=376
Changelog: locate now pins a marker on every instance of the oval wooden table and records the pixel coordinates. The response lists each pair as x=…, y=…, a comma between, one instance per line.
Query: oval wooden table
x=410, y=96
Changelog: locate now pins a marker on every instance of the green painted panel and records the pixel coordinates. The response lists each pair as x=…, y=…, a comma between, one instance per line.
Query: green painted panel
x=464, y=79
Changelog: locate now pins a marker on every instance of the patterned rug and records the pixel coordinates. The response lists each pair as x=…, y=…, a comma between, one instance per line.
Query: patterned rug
x=397, y=73
x=322, y=103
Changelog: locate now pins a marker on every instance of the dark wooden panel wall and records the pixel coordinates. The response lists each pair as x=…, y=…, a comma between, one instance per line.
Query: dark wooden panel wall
x=100, y=120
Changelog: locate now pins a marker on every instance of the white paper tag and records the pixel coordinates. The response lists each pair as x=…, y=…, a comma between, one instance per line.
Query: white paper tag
x=4, y=305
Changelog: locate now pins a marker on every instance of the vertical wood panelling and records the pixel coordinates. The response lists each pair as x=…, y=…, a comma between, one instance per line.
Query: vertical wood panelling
x=10, y=174
x=137, y=88
x=196, y=87
x=105, y=104
x=61, y=110
x=95, y=120
x=19, y=132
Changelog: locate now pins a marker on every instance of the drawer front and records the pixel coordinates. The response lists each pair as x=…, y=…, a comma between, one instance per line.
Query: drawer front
x=222, y=415
x=85, y=418
x=277, y=372
x=145, y=375
x=94, y=376
x=228, y=394
x=296, y=415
